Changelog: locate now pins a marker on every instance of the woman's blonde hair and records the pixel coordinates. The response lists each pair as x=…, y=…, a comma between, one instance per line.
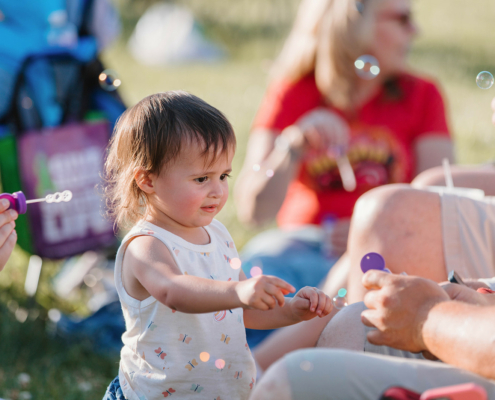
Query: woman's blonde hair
x=326, y=39
x=151, y=135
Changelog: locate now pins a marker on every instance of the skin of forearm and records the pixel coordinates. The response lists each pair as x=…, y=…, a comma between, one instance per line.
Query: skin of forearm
x=190, y=294
x=271, y=319
x=260, y=197
x=462, y=335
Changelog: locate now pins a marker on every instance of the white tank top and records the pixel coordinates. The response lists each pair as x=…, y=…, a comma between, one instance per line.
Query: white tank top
x=193, y=356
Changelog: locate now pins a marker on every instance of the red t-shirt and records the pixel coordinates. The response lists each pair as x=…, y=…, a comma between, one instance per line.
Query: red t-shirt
x=381, y=148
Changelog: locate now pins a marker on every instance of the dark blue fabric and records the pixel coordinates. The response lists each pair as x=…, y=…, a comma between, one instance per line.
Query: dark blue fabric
x=114, y=391
x=104, y=328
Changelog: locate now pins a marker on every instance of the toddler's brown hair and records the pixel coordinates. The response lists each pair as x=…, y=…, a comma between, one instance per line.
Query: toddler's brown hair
x=150, y=135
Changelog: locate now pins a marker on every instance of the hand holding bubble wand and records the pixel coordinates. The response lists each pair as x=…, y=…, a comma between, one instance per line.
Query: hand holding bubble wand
x=19, y=203
x=345, y=168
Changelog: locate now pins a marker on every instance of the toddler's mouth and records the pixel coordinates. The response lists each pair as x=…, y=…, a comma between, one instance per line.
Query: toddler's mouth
x=210, y=209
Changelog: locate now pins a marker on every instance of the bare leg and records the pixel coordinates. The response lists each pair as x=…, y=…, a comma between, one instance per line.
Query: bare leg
x=469, y=177
x=274, y=385
x=403, y=225
x=290, y=338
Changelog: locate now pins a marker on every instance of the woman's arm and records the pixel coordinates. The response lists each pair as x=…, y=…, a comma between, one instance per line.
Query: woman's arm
x=430, y=150
x=258, y=196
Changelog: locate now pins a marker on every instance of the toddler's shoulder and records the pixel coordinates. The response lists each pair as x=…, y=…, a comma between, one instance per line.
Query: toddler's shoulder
x=219, y=229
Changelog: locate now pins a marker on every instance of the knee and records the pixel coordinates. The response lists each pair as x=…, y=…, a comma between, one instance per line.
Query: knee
x=381, y=207
x=345, y=330
x=274, y=384
x=430, y=177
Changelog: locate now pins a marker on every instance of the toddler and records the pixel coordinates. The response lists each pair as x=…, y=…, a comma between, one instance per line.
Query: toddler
x=185, y=300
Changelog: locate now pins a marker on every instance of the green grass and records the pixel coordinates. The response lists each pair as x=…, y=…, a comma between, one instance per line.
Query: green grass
x=455, y=45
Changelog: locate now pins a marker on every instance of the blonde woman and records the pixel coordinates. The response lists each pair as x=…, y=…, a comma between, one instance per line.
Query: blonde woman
x=391, y=128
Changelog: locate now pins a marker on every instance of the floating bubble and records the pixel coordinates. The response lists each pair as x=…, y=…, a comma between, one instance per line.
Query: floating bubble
x=13, y=306
x=340, y=301
x=367, y=67
x=256, y=167
x=484, y=80
x=235, y=263
x=220, y=364
x=21, y=315
x=23, y=379
x=25, y=396
x=204, y=356
x=109, y=80
x=306, y=366
x=90, y=280
x=54, y=315
x=256, y=271
x=269, y=173
x=85, y=386
x=26, y=103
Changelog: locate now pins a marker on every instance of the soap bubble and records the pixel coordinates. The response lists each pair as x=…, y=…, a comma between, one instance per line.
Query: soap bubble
x=367, y=67
x=24, y=379
x=256, y=271
x=204, y=356
x=306, y=366
x=109, y=80
x=256, y=167
x=235, y=263
x=484, y=80
x=220, y=364
x=340, y=301
x=269, y=173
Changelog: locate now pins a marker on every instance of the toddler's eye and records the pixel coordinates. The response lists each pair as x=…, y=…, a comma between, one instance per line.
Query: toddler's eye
x=203, y=179
x=224, y=176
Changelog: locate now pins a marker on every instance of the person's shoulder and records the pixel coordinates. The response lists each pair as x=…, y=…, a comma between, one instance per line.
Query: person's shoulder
x=304, y=86
x=146, y=247
x=217, y=227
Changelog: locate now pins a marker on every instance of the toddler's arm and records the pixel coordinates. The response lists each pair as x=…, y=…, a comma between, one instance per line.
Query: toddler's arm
x=149, y=269
x=307, y=304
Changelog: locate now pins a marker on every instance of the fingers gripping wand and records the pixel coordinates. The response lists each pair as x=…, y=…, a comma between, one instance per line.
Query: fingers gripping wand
x=19, y=203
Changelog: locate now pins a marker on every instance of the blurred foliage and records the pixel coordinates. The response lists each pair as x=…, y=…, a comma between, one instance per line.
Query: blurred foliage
x=455, y=44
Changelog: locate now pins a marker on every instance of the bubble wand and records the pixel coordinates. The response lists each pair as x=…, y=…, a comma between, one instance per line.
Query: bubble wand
x=19, y=203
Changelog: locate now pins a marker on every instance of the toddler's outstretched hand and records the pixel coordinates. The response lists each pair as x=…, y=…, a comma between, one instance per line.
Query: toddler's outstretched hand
x=310, y=302
x=263, y=292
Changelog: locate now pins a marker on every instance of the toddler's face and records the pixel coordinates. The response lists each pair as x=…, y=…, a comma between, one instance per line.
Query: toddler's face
x=191, y=192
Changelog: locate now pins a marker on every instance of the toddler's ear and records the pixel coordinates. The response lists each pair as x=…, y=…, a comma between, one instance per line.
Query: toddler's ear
x=143, y=180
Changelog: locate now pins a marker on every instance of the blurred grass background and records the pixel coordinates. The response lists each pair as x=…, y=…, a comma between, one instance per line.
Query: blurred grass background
x=456, y=43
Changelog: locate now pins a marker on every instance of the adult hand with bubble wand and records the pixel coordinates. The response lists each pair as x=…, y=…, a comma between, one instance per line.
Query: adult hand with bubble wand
x=8, y=235
x=11, y=205
x=326, y=131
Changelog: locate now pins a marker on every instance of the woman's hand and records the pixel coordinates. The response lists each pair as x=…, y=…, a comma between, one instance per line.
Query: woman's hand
x=263, y=292
x=310, y=302
x=8, y=235
x=321, y=130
